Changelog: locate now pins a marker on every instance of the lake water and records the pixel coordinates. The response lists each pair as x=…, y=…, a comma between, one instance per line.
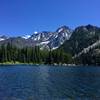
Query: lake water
x=23, y=82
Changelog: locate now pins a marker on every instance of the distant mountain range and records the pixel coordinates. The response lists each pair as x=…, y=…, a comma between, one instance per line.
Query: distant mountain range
x=76, y=42
x=82, y=43
x=45, y=40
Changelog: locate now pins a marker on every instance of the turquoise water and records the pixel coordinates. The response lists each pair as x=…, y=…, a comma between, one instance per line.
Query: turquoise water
x=23, y=82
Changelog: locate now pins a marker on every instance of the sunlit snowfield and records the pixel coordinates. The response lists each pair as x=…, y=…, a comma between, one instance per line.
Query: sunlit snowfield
x=49, y=83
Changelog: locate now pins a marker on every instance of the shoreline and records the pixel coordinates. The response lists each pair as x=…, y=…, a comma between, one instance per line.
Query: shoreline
x=38, y=64
x=18, y=63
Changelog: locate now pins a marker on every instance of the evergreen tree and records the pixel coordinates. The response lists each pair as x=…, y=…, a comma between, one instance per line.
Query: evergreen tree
x=4, y=53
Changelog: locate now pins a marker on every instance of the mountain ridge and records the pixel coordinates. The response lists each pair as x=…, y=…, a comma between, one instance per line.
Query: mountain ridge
x=45, y=39
x=79, y=46
x=81, y=38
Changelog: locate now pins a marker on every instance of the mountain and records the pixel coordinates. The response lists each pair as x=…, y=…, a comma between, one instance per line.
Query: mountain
x=82, y=37
x=26, y=36
x=89, y=55
x=80, y=46
x=84, y=45
x=74, y=42
x=45, y=40
x=52, y=40
x=2, y=38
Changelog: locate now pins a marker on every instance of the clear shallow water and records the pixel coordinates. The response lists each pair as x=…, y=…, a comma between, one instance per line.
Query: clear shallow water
x=49, y=83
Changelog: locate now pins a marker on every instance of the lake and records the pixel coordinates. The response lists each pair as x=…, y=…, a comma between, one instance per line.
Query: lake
x=39, y=82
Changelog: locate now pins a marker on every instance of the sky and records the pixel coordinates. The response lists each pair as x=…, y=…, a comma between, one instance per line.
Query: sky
x=21, y=17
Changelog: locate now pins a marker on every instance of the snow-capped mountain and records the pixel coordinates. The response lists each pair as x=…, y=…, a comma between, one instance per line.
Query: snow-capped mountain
x=2, y=38
x=41, y=36
x=26, y=36
x=45, y=39
x=52, y=40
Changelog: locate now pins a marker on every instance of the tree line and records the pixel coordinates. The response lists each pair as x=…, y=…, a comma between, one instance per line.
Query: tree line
x=10, y=53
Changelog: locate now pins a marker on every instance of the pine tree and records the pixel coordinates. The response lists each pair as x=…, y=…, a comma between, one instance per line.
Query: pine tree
x=4, y=53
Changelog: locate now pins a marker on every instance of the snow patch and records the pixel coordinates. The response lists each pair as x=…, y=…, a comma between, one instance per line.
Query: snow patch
x=26, y=36
x=54, y=48
x=45, y=42
x=35, y=32
x=1, y=39
x=60, y=30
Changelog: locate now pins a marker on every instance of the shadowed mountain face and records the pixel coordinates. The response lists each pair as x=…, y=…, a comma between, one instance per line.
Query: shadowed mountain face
x=46, y=40
x=82, y=37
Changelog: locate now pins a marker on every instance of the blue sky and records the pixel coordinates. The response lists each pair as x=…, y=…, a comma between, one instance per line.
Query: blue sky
x=19, y=17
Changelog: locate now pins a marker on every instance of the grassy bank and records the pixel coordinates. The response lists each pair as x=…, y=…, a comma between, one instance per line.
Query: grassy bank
x=17, y=63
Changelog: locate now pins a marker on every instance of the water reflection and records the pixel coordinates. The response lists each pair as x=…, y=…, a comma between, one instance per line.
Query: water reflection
x=42, y=82
x=49, y=83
